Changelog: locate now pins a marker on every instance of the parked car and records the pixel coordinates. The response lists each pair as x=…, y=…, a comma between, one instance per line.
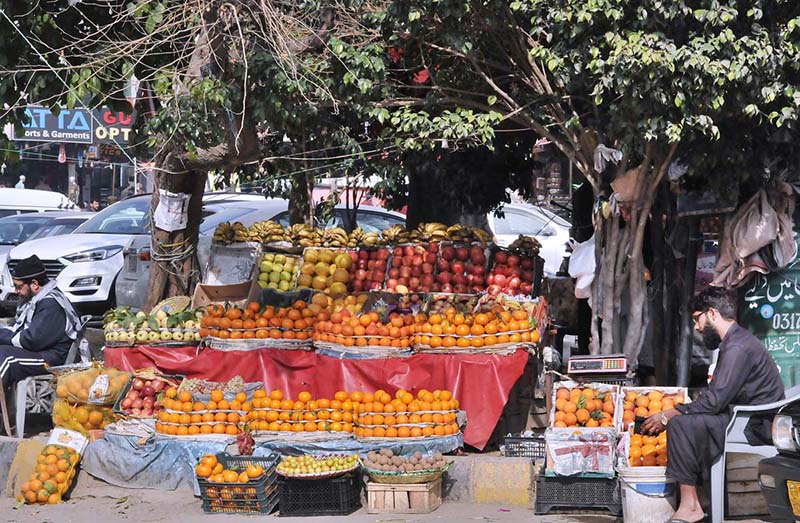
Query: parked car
x=779, y=476
x=551, y=230
x=132, y=283
x=22, y=201
x=17, y=228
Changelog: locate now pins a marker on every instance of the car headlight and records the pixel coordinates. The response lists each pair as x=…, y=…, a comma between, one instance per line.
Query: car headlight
x=783, y=433
x=102, y=253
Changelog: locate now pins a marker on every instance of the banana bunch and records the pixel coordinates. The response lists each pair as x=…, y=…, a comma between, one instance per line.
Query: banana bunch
x=430, y=232
x=335, y=237
x=227, y=233
x=482, y=236
x=526, y=245
x=302, y=235
x=460, y=234
x=395, y=235
x=267, y=231
x=361, y=238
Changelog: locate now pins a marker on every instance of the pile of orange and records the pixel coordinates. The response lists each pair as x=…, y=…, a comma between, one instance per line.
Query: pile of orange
x=648, y=451
x=210, y=469
x=277, y=412
x=285, y=323
x=646, y=404
x=182, y=416
x=404, y=416
x=54, y=473
x=486, y=329
x=82, y=418
x=583, y=407
x=364, y=330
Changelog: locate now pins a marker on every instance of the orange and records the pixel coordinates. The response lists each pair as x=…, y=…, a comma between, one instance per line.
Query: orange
x=582, y=415
x=642, y=401
x=562, y=393
x=641, y=412
x=655, y=396
x=570, y=407
x=570, y=419
x=217, y=396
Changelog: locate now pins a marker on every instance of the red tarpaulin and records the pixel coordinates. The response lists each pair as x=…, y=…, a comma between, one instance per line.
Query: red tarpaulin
x=480, y=382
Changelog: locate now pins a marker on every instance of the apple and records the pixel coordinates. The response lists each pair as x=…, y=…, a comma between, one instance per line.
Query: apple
x=526, y=289
x=490, y=279
x=361, y=274
x=447, y=288
x=146, y=412
x=358, y=285
x=374, y=286
x=477, y=270
x=462, y=253
x=500, y=258
x=394, y=273
x=416, y=260
x=460, y=279
x=362, y=264
x=430, y=258
x=416, y=270
x=514, y=283
x=493, y=290
x=443, y=265
x=457, y=267
x=405, y=272
x=501, y=269
x=427, y=268
x=433, y=248
x=514, y=260
x=148, y=391
x=500, y=280
x=363, y=255
x=397, y=252
x=383, y=254
x=397, y=261
x=444, y=278
x=460, y=289
x=527, y=276
x=408, y=251
x=407, y=261
x=371, y=265
x=391, y=283
x=427, y=280
x=353, y=255
x=448, y=253
x=136, y=412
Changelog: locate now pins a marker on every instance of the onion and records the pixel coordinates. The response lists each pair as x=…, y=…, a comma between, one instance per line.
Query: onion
x=147, y=403
x=136, y=412
x=126, y=403
x=147, y=412
x=137, y=404
x=133, y=394
x=148, y=383
x=158, y=385
x=148, y=392
x=138, y=384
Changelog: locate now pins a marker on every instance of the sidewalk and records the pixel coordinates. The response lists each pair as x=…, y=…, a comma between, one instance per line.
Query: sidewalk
x=97, y=501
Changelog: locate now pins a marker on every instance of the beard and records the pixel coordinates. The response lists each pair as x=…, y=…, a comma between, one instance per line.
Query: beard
x=710, y=337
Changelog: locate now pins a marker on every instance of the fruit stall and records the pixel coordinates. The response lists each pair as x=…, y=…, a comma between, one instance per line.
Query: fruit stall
x=369, y=353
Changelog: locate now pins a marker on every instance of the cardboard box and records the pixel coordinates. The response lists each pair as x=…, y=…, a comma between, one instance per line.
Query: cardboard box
x=237, y=294
x=581, y=451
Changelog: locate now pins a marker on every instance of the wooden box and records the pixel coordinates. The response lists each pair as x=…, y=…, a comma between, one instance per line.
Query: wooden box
x=419, y=498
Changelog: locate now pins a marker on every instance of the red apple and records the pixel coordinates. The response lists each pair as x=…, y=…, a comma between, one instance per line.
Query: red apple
x=397, y=261
x=443, y=265
x=460, y=279
x=391, y=283
x=500, y=257
x=444, y=277
x=500, y=280
x=371, y=265
x=383, y=254
x=430, y=258
x=477, y=269
x=479, y=281
x=527, y=276
x=462, y=253
x=433, y=248
x=514, y=282
x=427, y=280
x=457, y=267
x=413, y=283
x=493, y=290
x=416, y=260
x=363, y=255
x=361, y=275
x=397, y=252
x=490, y=279
x=353, y=255
x=514, y=260
x=405, y=272
x=408, y=250
x=380, y=265
x=361, y=264
x=460, y=289
x=407, y=261
x=427, y=268
x=526, y=289
x=448, y=253
x=374, y=286
x=447, y=288
x=358, y=285
x=394, y=272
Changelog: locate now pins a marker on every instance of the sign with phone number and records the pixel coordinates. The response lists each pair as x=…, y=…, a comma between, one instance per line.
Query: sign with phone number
x=770, y=309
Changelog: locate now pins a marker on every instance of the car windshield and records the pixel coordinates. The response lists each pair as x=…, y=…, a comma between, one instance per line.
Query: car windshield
x=15, y=230
x=57, y=228
x=125, y=217
x=210, y=221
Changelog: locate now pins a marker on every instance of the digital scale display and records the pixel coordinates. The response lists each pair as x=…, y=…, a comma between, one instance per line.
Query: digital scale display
x=614, y=364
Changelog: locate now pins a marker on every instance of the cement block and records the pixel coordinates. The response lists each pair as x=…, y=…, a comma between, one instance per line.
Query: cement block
x=503, y=481
x=457, y=486
x=8, y=449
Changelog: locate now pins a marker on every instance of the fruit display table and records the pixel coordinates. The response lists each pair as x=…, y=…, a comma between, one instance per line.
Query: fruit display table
x=482, y=382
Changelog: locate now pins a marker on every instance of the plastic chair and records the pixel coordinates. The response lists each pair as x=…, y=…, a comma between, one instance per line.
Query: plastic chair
x=735, y=442
x=33, y=391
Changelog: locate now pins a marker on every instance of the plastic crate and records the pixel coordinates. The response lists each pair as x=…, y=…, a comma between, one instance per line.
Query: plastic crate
x=575, y=492
x=322, y=497
x=253, y=497
x=526, y=447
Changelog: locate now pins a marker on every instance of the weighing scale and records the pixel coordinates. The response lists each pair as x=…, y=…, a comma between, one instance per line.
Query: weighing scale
x=604, y=369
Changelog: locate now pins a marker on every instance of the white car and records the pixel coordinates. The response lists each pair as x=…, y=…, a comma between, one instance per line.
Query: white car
x=551, y=230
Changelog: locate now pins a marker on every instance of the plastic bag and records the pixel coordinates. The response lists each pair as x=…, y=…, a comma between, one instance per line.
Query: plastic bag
x=582, y=266
x=97, y=385
x=576, y=451
x=82, y=417
x=56, y=467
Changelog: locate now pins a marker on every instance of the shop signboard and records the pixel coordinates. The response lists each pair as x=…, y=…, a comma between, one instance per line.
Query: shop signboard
x=770, y=309
x=75, y=126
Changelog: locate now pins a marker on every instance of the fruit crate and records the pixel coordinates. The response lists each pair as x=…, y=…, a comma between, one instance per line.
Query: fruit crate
x=418, y=498
x=338, y=496
x=519, y=446
x=256, y=496
x=117, y=408
x=575, y=492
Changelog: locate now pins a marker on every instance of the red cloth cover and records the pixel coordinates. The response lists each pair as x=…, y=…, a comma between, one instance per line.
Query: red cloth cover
x=480, y=382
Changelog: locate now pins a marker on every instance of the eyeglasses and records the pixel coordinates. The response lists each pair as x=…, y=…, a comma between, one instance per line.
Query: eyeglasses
x=696, y=317
x=19, y=286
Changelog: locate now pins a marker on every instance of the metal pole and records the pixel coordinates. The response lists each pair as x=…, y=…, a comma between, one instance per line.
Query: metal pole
x=686, y=327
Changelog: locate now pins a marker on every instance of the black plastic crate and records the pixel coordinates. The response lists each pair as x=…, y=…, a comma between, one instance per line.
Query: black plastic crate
x=255, y=496
x=575, y=492
x=322, y=497
x=533, y=447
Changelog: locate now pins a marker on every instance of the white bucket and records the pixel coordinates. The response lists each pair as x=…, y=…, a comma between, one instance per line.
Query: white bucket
x=647, y=495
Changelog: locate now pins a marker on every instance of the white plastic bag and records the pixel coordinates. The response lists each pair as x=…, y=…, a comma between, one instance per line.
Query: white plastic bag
x=581, y=267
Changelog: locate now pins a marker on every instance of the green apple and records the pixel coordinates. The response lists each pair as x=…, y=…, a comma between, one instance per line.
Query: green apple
x=269, y=257
x=274, y=277
x=280, y=258
x=283, y=285
x=264, y=276
x=263, y=283
x=277, y=267
x=286, y=276
x=265, y=266
x=273, y=284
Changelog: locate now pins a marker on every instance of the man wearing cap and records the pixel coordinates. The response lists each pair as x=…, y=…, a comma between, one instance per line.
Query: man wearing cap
x=45, y=328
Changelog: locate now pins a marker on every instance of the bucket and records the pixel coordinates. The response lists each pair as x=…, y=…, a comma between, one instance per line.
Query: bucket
x=647, y=495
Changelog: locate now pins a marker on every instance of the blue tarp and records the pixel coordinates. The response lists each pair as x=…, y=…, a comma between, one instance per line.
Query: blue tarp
x=168, y=463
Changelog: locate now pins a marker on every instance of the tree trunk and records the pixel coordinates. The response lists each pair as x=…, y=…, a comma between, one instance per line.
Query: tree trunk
x=174, y=270
x=301, y=209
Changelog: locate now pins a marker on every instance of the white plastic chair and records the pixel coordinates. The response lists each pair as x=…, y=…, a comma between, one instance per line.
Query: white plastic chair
x=736, y=442
x=35, y=393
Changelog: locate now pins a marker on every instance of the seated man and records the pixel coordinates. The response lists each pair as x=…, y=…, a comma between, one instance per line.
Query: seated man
x=45, y=328
x=745, y=375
